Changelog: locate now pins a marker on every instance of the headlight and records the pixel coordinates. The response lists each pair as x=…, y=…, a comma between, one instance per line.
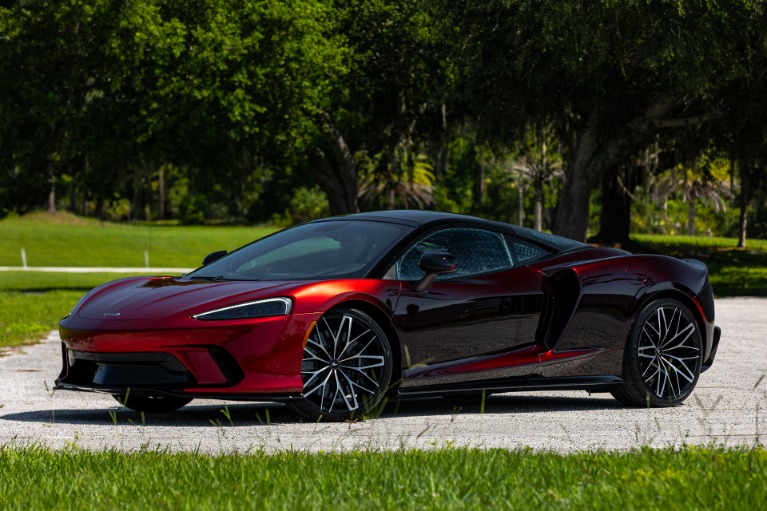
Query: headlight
x=257, y=309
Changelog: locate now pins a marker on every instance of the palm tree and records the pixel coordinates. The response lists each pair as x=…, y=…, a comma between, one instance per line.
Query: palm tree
x=405, y=182
x=536, y=168
x=692, y=186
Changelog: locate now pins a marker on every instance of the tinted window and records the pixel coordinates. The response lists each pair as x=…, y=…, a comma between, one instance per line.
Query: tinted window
x=337, y=249
x=556, y=242
x=523, y=251
x=476, y=250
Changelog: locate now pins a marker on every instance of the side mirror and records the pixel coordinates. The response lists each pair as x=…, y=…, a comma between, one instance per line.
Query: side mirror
x=434, y=263
x=213, y=256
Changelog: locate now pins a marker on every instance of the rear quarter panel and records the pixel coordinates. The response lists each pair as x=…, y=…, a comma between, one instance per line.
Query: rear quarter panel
x=613, y=289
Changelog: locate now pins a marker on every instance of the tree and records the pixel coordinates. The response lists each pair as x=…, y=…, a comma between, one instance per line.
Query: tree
x=381, y=109
x=740, y=131
x=396, y=187
x=52, y=76
x=608, y=82
x=693, y=184
x=111, y=91
x=538, y=166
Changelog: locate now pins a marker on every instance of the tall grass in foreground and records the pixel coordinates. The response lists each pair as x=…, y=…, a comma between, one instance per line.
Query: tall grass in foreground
x=692, y=478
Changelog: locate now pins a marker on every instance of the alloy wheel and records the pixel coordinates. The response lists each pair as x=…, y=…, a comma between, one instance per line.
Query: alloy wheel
x=346, y=365
x=669, y=352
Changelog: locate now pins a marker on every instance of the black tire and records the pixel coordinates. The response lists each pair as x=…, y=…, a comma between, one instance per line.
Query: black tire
x=151, y=404
x=662, y=358
x=346, y=367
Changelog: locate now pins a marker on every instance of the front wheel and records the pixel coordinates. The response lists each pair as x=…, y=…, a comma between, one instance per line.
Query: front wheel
x=662, y=357
x=346, y=368
x=151, y=404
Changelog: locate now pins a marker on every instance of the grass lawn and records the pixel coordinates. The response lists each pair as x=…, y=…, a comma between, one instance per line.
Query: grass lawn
x=692, y=478
x=732, y=271
x=63, y=239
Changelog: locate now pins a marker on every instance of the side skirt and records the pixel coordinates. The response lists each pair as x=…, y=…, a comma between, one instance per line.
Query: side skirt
x=592, y=383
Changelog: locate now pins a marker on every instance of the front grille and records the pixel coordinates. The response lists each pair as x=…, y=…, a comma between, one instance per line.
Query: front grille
x=126, y=370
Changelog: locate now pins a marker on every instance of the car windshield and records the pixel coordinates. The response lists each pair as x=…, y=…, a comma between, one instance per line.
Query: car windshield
x=320, y=250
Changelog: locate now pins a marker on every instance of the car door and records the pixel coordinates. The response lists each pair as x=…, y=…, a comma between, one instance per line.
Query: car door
x=490, y=305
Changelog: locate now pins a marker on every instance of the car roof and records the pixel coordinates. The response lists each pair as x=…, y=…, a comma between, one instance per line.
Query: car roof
x=416, y=217
x=420, y=218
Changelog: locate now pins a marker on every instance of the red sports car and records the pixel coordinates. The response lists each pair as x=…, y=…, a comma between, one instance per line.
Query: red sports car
x=334, y=316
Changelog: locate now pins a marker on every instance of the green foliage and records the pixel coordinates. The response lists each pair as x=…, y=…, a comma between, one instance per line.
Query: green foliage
x=405, y=183
x=307, y=204
x=105, y=94
x=671, y=218
x=452, y=190
x=435, y=479
x=219, y=110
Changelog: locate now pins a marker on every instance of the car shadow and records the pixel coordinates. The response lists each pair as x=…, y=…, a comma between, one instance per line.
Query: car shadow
x=503, y=403
x=228, y=414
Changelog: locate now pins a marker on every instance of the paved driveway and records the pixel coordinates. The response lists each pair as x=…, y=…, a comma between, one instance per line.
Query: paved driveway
x=729, y=407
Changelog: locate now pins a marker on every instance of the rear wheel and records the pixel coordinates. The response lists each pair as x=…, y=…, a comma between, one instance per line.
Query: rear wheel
x=346, y=367
x=151, y=404
x=662, y=358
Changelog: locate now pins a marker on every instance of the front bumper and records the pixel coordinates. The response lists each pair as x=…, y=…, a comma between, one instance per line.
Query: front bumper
x=227, y=358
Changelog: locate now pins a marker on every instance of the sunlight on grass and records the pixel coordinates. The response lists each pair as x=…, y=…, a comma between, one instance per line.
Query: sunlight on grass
x=49, y=241
x=25, y=318
x=691, y=478
x=732, y=271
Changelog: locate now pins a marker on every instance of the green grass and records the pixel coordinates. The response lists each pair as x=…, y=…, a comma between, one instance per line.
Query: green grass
x=47, y=281
x=692, y=478
x=65, y=240
x=732, y=271
x=26, y=317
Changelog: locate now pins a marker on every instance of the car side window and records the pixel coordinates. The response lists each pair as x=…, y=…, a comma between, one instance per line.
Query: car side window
x=523, y=251
x=476, y=250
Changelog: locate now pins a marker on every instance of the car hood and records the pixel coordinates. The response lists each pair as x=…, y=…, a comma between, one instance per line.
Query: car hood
x=158, y=297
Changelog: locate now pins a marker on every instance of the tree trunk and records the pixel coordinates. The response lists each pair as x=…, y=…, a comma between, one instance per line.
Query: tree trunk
x=479, y=185
x=743, y=217
x=615, y=219
x=538, y=213
x=592, y=155
x=336, y=173
x=572, y=219
x=161, y=192
x=51, y=190
x=521, y=205
x=691, y=214
x=539, y=181
x=444, y=145
x=538, y=203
